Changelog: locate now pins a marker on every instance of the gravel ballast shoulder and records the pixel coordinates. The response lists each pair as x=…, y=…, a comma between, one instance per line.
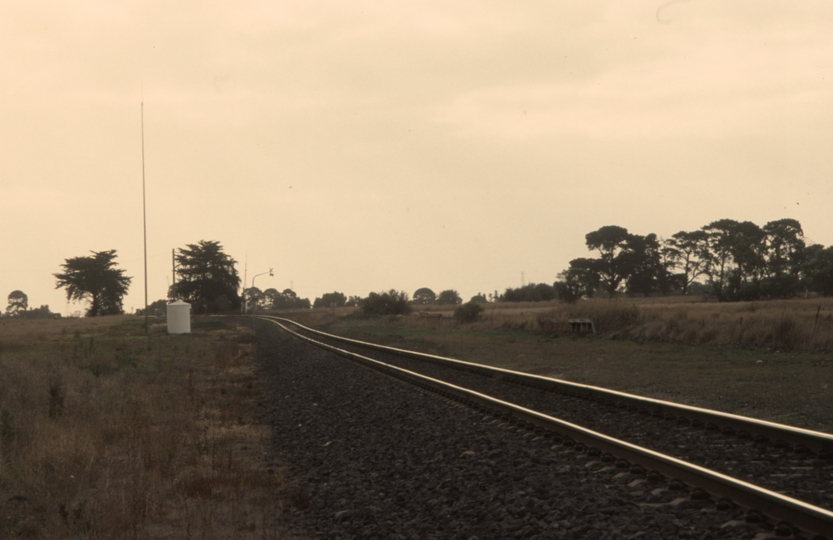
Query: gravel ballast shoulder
x=375, y=458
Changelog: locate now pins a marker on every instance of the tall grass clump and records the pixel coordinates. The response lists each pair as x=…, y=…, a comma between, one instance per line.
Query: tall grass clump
x=468, y=312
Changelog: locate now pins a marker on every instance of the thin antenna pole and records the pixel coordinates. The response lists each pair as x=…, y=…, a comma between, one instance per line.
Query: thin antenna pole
x=144, y=218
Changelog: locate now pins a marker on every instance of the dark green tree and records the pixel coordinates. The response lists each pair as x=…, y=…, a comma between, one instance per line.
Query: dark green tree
x=479, y=298
x=273, y=298
x=648, y=266
x=423, y=296
x=785, y=255
x=717, y=254
x=287, y=299
x=749, y=253
x=576, y=282
x=449, y=297
x=819, y=270
x=613, y=264
x=18, y=302
x=684, y=250
x=95, y=279
x=333, y=299
x=254, y=298
x=785, y=243
x=207, y=277
x=735, y=259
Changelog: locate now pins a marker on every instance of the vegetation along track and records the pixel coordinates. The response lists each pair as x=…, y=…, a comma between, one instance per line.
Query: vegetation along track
x=790, y=461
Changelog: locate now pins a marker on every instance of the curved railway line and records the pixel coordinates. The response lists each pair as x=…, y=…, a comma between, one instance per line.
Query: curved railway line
x=774, y=470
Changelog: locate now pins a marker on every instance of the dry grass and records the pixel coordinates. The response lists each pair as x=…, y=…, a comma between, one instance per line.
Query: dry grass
x=108, y=433
x=800, y=324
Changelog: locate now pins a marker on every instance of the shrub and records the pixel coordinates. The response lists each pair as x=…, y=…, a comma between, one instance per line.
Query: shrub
x=468, y=312
x=386, y=303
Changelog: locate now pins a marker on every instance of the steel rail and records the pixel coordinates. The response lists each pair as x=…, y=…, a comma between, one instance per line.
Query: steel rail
x=816, y=440
x=776, y=505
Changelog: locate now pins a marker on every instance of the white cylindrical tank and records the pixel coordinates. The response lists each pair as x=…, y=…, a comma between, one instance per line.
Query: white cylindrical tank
x=179, y=317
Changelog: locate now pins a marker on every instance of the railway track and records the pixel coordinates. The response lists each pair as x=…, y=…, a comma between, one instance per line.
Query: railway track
x=772, y=469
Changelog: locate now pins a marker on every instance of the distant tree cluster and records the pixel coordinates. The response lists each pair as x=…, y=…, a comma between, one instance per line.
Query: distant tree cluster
x=18, y=307
x=735, y=260
x=386, y=303
x=425, y=296
x=287, y=299
x=157, y=308
x=272, y=299
x=206, y=278
x=333, y=299
x=532, y=292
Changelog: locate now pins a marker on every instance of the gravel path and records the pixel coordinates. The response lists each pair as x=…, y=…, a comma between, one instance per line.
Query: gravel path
x=374, y=458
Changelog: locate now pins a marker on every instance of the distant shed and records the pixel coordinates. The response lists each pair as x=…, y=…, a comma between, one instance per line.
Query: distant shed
x=582, y=326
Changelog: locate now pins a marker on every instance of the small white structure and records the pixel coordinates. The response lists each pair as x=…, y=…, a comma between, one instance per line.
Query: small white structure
x=179, y=317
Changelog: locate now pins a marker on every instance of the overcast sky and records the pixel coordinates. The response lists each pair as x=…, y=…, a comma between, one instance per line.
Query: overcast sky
x=362, y=146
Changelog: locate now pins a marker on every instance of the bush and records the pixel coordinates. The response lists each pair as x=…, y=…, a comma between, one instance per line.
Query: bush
x=386, y=303
x=468, y=312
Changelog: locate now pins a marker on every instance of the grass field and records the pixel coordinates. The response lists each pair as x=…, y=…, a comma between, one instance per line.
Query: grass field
x=769, y=360
x=108, y=433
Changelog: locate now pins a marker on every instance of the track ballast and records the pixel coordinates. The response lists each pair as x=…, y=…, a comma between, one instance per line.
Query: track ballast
x=645, y=427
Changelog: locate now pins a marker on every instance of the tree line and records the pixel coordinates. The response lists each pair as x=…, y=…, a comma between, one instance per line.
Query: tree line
x=728, y=260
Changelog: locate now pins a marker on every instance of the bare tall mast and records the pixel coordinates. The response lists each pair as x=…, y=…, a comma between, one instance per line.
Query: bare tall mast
x=144, y=218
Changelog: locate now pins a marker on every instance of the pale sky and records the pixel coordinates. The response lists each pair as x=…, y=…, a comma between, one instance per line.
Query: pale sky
x=362, y=146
